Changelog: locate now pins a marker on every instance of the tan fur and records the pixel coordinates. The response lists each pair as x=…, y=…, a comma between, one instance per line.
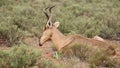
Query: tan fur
x=60, y=40
x=98, y=38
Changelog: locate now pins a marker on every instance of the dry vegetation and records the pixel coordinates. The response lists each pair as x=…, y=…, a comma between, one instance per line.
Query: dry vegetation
x=21, y=18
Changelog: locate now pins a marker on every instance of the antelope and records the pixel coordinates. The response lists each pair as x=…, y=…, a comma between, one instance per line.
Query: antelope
x=98, y=38
x=60, y=41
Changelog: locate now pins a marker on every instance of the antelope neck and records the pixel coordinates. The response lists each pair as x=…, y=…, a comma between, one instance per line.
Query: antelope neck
x=58, y=38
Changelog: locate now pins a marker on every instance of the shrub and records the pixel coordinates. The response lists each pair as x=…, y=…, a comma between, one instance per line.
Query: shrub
x=75, y=62
x=82, y=51
x=87, y=53
x=10, y=32
x=46, y=63
x=19, y=57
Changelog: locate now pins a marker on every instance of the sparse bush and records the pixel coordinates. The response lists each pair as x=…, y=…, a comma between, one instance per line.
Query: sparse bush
x=10, y=32
x=19, y=57
x=75, y=62
x=82, y=51
x=95, y=57
x=101, y=58
x=46, y=63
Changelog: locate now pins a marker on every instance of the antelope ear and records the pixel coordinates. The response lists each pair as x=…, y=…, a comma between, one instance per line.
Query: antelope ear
x=56, y=24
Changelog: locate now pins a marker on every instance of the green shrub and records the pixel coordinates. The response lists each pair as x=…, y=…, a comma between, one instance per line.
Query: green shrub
x=102, y=59
x=10, y=32
x=46, y=63
x=75, y=62
x=19, y=57
x=82, y=51
x=87, y=53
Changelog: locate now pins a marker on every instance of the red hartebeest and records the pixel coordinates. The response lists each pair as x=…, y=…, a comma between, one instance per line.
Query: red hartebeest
x=60, y=41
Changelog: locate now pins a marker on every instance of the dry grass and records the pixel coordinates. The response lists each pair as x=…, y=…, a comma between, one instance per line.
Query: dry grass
x=95, y=57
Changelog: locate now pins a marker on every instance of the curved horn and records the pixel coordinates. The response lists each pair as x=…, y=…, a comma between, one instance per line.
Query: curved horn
x=44, y=10
x=49, y=21
x=51, y=9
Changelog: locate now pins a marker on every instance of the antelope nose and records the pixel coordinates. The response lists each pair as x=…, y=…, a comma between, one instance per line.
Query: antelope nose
x=40, y=44
x=39, y=41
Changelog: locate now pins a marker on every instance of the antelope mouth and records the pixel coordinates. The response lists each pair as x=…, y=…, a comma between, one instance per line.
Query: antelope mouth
x=40, y=44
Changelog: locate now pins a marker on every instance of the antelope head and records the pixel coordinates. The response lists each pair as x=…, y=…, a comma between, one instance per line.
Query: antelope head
x=47, y=30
